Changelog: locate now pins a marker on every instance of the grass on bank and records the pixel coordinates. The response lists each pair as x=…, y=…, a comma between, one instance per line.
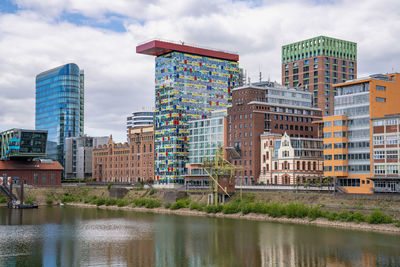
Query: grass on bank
x=245, y=206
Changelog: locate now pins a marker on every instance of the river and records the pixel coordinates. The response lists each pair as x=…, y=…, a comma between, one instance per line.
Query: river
x=72, y=236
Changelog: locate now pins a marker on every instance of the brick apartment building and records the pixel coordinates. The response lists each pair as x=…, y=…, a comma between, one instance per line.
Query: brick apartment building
x=36, y=173
x=266, y=107
x=126, y=162
x=317, y=64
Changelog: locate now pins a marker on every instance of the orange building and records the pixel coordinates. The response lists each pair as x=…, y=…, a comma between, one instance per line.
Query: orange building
x=348, y=135
x=123, y=162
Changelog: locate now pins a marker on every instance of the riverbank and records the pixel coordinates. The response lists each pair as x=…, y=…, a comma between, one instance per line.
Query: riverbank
x=383, y=228
x=366, y=213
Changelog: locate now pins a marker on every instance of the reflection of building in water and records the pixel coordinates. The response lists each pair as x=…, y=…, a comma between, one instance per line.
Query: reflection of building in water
x=283, y=245
x=140, y=253
x=191, y=241
x=169, y=241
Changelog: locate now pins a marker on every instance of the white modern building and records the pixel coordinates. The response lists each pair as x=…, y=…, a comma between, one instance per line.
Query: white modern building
x=140, y=119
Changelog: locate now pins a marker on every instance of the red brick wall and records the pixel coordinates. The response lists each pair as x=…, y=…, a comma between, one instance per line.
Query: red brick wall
x=28, y=175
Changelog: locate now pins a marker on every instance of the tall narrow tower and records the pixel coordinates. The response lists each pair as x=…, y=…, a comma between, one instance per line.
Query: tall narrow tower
x=190, y=83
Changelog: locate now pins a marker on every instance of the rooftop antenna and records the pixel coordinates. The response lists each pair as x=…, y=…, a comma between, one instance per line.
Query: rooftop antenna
x=260, y=74
x=249, y=80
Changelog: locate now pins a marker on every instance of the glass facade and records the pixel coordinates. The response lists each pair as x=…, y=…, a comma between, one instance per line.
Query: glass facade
x=205, y=137
x=187, y=87
x=60, y=107
x=353, y=101
x=22, y=143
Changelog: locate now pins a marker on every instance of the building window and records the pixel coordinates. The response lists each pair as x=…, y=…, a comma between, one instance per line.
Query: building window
x=52, y=178
x=380, y=99
x=35, y=178
x=379, y=140
x=43, y=178
x=348, y=182
x=391, y=140
x=339, y=134
x=379, y=169
x=327, y=168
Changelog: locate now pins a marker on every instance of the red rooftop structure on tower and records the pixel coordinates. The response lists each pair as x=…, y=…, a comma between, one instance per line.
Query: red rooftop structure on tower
x=158, y=48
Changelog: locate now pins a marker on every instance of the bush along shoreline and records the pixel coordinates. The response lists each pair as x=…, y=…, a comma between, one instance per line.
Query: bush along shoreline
x=293, y=210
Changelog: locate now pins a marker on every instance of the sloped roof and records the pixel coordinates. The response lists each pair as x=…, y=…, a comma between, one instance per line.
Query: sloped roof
x=29, y=165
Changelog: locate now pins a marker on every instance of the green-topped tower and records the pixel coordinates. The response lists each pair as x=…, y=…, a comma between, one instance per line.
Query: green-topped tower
x=318, y=63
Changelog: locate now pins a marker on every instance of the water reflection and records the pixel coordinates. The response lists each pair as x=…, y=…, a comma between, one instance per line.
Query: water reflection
x=67, y=236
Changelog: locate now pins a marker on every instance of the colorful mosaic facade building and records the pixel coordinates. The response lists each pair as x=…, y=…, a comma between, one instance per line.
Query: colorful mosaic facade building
x=190, y=83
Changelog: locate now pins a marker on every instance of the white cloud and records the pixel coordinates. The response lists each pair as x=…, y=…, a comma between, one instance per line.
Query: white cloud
x=118, y=80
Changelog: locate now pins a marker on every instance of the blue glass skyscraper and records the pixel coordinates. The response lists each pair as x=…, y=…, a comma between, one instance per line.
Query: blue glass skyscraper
x=60, y=107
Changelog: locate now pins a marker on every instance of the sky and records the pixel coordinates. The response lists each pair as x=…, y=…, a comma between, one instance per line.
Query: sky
x=101, y=37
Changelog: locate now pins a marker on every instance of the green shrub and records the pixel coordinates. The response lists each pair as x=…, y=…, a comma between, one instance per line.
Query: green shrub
x=275, y=210
x=231, y=208
x=296, y=210
x=213, y=208
x=49, y=200
x=139, y=202
x=111, y=202
x=152, y=191
x=397, y=224
x=67, y=198
x=196, y=206
x=30, y=199
x=333, y=216
x=259, y=208
x=109, y=186
x=180, y=204
x=3, y=200
x=378, y=217
x=358, y=217
x=152, y=203
x=345, y=216
x=167, y=205
x=246, y=207
x=122, y=202
x=100, y=202
x=314, y=213
x=146, y=202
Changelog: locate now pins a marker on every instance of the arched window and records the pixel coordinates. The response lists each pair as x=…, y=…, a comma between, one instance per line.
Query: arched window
x=298, y=165
x=309, y=165
x=314, y=166
x=304, y=165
